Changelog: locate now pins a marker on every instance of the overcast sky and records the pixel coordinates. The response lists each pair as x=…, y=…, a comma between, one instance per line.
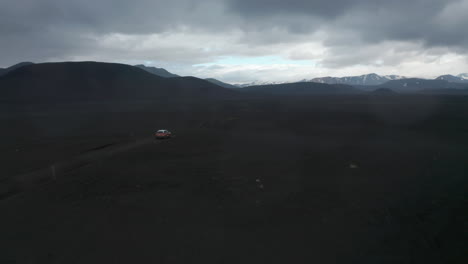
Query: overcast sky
x=243, y=40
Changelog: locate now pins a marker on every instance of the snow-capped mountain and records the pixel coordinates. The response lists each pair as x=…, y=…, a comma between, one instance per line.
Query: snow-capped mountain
x=395, y=77
x=464, y=76
x=367, y=79
x=257, y=83
x=461, y=78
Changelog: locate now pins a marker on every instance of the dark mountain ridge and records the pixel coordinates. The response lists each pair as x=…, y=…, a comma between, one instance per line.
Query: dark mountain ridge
x=452, y=78
x=302, y=88
x=384, y=91
x=14, y=67
x=157, y=71
x=95, y=81
x=220, y=83
x=415, y=84
x=161, y=72
x=99, y=82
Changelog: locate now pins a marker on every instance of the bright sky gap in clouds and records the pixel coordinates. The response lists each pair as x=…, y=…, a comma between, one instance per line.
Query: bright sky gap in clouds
x=242, y=41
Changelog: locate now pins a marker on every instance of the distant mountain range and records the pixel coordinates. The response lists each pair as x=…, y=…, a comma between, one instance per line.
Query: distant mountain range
x=364, y=83
x=363, y=80
x=463, y=75
x=258, y=83
x=69, y=75
x=368, y=79
x=371, y=79
x=461, y=78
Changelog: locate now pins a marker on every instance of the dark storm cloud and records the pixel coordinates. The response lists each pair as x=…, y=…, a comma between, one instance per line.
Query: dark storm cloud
x=434, y=22
x=278, y=7
x=61, y=29
x=143, y=16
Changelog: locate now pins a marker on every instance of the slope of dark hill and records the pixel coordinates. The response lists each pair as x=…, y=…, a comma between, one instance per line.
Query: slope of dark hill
x=166, y=74
x=446, y=91
x=415, y=85
x=99, y=82
x=384, y=91
x=301, y=88
x=14, y=67
x=157, y=71
x=220, y=83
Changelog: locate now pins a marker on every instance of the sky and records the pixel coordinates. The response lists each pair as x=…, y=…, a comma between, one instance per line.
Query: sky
x=241, y=41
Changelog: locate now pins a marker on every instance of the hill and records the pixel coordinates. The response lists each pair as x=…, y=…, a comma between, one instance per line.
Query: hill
x=14, y=67
x=157, y=71
x=99, y=82
x=220, y=83
x=416, y=85
x=446, y=91
x=384, y=91
x=302, y=88
x=166, y=74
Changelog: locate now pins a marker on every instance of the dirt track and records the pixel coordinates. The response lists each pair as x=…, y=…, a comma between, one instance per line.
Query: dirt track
x=17, y=184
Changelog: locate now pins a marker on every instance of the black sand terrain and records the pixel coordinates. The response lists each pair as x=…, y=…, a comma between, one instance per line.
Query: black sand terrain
x=325, y=179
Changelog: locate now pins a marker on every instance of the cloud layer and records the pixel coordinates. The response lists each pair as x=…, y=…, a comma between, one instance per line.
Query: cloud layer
x=190, y=37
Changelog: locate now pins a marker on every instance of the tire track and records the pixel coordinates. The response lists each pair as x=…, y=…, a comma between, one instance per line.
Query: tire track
x=15, y=185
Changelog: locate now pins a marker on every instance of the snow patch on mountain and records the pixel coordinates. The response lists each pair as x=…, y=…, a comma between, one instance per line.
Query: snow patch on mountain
x=257, y=83
x=463, y=76
x=367, y=79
